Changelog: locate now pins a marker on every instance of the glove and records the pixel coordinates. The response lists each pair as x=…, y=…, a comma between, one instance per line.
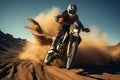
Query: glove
x=86, y=30
x=57, y=17
x=61, y=21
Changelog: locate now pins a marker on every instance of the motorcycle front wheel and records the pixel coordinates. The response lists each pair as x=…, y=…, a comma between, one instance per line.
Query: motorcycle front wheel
x=71, y=56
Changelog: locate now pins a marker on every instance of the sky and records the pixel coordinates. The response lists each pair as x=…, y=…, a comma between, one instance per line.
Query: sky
x=104, y=14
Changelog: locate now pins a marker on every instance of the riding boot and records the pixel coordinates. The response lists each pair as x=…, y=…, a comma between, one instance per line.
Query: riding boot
x=53, y=46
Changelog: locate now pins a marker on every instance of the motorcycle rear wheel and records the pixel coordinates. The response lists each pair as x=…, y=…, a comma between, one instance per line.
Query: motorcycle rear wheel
x=48, y=59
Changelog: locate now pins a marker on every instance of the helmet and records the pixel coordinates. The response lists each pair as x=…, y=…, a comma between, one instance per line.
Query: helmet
x=72, y=9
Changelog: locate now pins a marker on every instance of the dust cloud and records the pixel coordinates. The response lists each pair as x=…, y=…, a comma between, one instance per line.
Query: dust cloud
x=92, y=50
x=47, y=20
x=37, y=49
x=34, y=51
x=95, y=49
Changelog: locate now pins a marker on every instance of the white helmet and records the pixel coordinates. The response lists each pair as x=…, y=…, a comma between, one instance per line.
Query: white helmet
x=72, y=9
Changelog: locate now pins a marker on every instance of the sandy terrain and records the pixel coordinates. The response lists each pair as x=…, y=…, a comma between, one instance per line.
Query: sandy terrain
x=12, y=68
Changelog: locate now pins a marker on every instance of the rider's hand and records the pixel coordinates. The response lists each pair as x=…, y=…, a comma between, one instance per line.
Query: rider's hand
x=86, y=29
x=60, y=21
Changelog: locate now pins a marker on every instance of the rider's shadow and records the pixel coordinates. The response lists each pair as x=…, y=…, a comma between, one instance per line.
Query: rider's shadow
x=88, y=70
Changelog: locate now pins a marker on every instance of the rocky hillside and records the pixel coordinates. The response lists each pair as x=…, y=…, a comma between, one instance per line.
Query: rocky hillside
x=7, y=42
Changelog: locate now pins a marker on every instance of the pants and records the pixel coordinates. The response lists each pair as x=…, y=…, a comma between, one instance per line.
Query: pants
x=61, y=31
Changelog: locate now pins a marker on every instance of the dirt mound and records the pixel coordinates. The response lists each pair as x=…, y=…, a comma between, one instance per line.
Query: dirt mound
x=13, y=68
x=27, y=70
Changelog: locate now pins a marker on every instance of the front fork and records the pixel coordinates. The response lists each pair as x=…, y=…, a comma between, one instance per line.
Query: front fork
x=72, y=39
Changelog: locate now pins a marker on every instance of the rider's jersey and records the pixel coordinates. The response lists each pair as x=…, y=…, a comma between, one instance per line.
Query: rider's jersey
x=69, y=20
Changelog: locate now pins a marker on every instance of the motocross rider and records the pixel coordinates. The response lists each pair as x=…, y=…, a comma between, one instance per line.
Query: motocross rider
x=67, y=18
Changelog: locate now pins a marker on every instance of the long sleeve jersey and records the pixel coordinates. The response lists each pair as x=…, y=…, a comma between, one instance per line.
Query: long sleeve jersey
x=69, y=20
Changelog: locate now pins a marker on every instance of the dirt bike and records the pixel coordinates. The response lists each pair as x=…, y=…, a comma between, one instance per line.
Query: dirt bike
x=67, y=44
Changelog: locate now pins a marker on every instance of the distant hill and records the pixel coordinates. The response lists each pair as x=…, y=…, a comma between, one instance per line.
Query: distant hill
x=7, y=41
x=118, y=45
